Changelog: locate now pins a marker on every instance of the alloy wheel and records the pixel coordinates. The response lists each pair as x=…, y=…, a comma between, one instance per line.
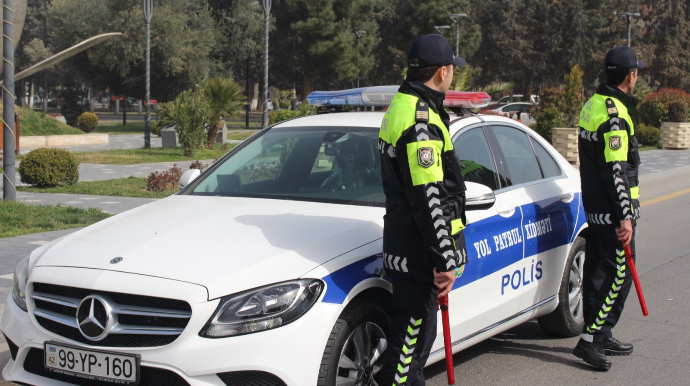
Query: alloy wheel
x=360, y=359
x=575, y=301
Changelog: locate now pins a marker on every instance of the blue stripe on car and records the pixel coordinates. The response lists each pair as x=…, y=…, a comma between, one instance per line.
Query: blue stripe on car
x=562, y=218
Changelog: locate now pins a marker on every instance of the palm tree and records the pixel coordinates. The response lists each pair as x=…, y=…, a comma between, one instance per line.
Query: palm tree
x=226, y=99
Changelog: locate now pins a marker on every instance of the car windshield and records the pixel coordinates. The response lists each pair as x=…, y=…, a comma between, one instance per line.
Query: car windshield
x=321, y=164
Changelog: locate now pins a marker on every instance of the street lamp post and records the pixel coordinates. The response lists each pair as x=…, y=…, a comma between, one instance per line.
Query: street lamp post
x=629, y=15
x=9, y=193
x=148, y=11
x=441, y=28
x=267, y=13
x=358, y=34
x=456, y=17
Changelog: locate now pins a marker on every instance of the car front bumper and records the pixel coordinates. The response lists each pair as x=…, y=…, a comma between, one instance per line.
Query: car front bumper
x=292, y=352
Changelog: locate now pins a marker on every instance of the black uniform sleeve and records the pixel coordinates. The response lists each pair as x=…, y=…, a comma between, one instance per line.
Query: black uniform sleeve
x=612, y=155
x=420, y=160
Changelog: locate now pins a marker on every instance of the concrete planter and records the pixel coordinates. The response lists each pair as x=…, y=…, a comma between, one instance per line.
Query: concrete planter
x=675, y=135
x=62, y=140
x=565, y=141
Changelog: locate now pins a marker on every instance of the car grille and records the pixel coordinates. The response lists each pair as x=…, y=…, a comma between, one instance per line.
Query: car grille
x=150, y=376
x=141, y=321
x=250, y=378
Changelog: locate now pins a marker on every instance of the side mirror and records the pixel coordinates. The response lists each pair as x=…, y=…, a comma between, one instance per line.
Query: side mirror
x=188, y=176
x=479, y=196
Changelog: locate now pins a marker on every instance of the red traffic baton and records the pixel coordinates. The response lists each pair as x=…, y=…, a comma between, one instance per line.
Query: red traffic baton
x=447, y=343
x=636, y=280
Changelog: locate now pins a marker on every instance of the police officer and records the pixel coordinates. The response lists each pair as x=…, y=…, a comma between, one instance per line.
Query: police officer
x=609, y=163
x=423, y=242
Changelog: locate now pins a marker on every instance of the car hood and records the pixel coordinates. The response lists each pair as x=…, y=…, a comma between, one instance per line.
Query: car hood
x=226, y=244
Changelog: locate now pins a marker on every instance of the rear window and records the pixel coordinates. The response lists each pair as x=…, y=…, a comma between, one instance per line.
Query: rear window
x=320, y=164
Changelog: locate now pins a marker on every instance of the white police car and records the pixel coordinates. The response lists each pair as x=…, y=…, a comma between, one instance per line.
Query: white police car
x=267, y=268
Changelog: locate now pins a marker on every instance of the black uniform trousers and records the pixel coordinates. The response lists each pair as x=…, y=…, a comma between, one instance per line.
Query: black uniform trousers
x=413, y=331
x=607, y=281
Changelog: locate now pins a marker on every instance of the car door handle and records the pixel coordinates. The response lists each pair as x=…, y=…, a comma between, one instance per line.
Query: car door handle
x=506, y=210
x=566, y=196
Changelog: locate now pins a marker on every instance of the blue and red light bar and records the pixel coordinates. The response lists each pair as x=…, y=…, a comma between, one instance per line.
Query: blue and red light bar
x=382, y=96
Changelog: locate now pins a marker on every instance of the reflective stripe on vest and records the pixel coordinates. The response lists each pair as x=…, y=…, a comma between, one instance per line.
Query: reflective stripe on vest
x=401, y=116
x=594, y=113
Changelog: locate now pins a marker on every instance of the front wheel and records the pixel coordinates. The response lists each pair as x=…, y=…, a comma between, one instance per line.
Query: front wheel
x=568, y=318
x=354, y=352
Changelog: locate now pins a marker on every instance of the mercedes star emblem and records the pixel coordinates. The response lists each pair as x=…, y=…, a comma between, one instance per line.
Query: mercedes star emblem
x=93, y=317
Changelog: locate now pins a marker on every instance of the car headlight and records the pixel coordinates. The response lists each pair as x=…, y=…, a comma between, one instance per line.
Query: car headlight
x=262, y=308
x=21, y=277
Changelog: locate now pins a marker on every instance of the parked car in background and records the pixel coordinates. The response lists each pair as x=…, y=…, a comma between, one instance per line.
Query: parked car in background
x=533, y=99
x=516, y=110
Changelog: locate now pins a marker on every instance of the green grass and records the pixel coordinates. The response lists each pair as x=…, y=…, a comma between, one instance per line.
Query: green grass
x=18, y=218
x=124, y=187
x=35, y=123
x=140, y=156
x=239, y=136
x=115, y=127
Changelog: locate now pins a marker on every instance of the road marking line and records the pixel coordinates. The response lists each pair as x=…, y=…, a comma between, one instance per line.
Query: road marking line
x=40, y=242
x=664, y=198
x=110, y=202
x=9, y=276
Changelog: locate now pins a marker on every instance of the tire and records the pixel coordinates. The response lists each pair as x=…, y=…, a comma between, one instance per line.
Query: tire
x=567, y=319
x=341, y=360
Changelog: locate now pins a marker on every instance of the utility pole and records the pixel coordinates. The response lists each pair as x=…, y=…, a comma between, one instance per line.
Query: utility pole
x=148, y=11
x=9, y=192
x=456, y=17
x=358, y=34
x=267, y=14
x=441, y=28
x=629, y=15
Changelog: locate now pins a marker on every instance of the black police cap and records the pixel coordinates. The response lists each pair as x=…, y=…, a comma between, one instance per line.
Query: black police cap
x=432, y=50
x=622, y=58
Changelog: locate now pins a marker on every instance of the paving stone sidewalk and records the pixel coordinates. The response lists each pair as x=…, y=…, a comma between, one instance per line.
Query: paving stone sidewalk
x=108, y=204
x=101, y=172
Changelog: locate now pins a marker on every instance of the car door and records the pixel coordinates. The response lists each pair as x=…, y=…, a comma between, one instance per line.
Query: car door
x=549, y=209
x=483, y=294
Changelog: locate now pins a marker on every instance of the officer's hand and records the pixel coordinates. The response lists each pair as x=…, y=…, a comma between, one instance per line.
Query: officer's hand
x=444, y=281
x=625, y=232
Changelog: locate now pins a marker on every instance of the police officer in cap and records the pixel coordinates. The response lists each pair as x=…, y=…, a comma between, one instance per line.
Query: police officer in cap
x=609, y=163
x=423, y=243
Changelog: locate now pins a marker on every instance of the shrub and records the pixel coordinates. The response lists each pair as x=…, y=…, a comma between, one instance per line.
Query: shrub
x=305, y=109
x=198, y=165
x=647, y=135
x=87, y=122
x=572, y=96
x=654, y=109
x=167, y=180
x=548, y=113
x=189, y=113
x=49, y=167
x=677, y=112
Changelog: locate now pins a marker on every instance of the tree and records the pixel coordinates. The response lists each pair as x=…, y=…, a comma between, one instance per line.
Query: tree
x=225, y=99
x=572, y=96
x=184, y=42
x=668, y=33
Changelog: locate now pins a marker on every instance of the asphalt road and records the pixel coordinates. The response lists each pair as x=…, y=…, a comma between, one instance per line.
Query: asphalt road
x=527, y=356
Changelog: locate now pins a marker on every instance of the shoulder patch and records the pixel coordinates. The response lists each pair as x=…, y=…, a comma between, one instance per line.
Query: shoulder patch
x=425, y=157
x=422, y=113
x=611, y=108
x=615, y=142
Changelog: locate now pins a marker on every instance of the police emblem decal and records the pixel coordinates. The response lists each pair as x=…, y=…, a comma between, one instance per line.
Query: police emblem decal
x=459, y=271
x=615, y=142
x=425, y=156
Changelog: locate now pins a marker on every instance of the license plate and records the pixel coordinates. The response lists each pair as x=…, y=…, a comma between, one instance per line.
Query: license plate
x=115, y=368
